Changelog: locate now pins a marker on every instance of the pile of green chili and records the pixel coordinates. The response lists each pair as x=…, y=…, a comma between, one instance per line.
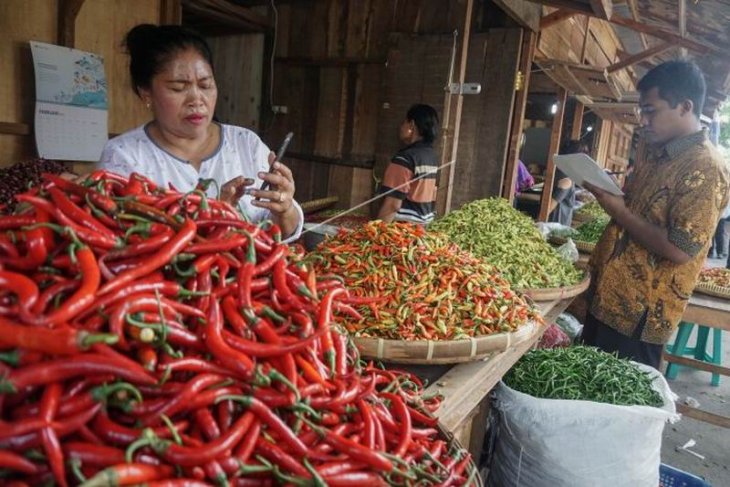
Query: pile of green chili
x=591, y=210
x=504, y=237
x=584, y=374
x=591, y=231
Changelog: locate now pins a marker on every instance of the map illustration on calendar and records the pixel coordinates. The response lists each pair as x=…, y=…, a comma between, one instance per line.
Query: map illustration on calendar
x=71, y=103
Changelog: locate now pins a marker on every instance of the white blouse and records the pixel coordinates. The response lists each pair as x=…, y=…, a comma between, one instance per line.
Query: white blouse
x=241, y=153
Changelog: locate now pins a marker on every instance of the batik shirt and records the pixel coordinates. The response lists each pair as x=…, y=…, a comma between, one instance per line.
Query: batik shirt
x=682, y=187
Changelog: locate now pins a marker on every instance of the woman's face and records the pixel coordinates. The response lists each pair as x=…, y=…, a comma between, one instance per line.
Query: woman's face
x=183, y=95
x=406, y=131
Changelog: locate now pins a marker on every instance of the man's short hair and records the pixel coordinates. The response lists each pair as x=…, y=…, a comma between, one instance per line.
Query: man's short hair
x=677, y=81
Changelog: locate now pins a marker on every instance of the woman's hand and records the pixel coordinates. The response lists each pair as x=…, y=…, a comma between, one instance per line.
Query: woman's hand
x=279, y=198
x=233, y=190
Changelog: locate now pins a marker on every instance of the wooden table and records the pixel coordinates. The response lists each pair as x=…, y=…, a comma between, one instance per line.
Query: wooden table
x=706, y=311
x=466, y=387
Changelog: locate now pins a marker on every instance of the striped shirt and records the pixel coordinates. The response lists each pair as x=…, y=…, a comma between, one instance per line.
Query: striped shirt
x=411, y=177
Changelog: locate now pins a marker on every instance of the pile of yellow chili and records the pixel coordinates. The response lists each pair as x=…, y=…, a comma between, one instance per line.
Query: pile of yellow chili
x=416, y=285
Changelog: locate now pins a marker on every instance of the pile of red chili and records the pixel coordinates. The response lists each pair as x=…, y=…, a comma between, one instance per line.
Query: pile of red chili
x=153, y=337
x=416, y=285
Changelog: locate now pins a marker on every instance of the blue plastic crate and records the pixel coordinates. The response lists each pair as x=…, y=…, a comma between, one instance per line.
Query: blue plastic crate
x=673, y=477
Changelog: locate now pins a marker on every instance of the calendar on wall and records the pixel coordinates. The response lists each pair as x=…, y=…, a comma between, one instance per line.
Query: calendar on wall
x=71, y=103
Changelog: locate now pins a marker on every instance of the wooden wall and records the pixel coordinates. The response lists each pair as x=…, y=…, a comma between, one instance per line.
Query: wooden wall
x=100, y=28
x=330, y=63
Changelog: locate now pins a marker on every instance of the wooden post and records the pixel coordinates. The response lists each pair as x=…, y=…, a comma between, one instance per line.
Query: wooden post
x=585, y=40
x=557, y=129
x=68, y=10
x=529, y=43
x=577, y=121
x=451, y=156
x=171, y=12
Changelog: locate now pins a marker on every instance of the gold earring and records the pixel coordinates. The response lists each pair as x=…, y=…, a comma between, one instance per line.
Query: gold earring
x=147, y=105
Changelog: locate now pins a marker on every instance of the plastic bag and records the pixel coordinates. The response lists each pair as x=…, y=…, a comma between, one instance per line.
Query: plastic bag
x=554, y=337
x=551, y=442
x=569, y=324
x=569, y=251
x=548, y=229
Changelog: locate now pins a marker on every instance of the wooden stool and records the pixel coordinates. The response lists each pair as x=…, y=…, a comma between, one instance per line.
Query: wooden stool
x=699, y=351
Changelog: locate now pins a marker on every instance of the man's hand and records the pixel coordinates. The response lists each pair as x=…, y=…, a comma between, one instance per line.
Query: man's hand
x=614, y=205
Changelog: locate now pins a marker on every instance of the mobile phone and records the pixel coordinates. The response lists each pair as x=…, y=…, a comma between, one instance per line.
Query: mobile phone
x=279, y=155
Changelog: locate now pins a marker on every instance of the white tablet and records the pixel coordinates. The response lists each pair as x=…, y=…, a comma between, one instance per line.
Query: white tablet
x=581, y=168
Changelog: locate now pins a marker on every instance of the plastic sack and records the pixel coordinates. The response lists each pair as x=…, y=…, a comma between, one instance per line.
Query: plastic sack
x=554, y=337
x=551, y=442
x=569, y=324
x=556, y=229
x=569, y=251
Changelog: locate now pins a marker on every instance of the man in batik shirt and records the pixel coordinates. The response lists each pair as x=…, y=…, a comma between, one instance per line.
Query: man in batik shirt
x=648, y=259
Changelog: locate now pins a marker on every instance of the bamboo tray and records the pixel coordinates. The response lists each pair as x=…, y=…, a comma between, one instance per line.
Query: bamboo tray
x=436, y=352
x=585, y=247
x=450, y=439
x=713, y=290
x=320, y=204
x=551, y=294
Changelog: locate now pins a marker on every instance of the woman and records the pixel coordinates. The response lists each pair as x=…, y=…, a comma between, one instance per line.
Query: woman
x=172, y=73
x=563, y=195
x=409, y=184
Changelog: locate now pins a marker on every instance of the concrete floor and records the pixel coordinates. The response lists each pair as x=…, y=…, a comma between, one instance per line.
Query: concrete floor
x=712, y=442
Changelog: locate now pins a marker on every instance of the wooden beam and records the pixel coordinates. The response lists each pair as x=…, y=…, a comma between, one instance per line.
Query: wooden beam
x=459, y=105
x=336, y=62
x=639, y=56
x=365, y=162
x=585, y=40
x=13, y=128
x=696, y=364
x=577, y=121
x=635, y=15
x=701, y=415
x=556, y=17
x=523, y=12
x=682, y=14
x=557, y=130
x=602, y=8
x=228, y=14
x=658, y=32
x=171, y=12
x=527, y=54
x=68, y=10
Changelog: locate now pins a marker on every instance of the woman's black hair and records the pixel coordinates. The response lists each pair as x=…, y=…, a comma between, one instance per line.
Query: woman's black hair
x=426, y=120
x=150, y=47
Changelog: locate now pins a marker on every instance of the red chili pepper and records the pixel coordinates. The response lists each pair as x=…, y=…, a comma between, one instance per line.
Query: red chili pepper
x=362, y=479
x=129, y=474
x=323, y=321
x=79, y=216
x=229, y=357
x=163, y=256
x=279, y=457
x=93, y=454
x=117, y=434
x=406, y=430
x=65, y=368
x=78, y=301
x=177, y=403
x=59, y=341
x=359, y=452
x=18, y=284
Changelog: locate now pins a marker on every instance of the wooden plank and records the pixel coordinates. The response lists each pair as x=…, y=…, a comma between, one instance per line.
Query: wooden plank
x=682, y=14
x=527, y=54
x=696, y=364
x=465, y=386
x=602, y=8
x=557, y=128
x=523, y=12
x=701, y=415
x=14, y=128
x=556, y=18
x=639, y=56
x=171, y=12
x=487, y=118
x=577, y=121
x=228, y=13
x=586, y=36
x=68, y=10
x=459, y=104
x=331, y=62
x=363, y=162
x=635, y=15
x=126, y=111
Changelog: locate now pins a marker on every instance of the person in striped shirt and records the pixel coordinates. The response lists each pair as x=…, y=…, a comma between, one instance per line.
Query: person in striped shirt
x=409, y=184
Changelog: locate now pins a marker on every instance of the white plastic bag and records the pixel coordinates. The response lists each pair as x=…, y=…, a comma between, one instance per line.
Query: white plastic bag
x=569, y=251
x=569, y=324
x=550, y=442
x=555, y=229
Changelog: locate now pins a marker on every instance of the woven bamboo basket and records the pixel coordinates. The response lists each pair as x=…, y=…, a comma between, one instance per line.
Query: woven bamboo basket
x=319, y=204
x=585, y=247
x=472, y=469
x=713, y=290
x=435, y=352
x=551, y=294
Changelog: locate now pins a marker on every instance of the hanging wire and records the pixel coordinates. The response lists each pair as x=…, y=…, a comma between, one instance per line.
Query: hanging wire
x=379, y=196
